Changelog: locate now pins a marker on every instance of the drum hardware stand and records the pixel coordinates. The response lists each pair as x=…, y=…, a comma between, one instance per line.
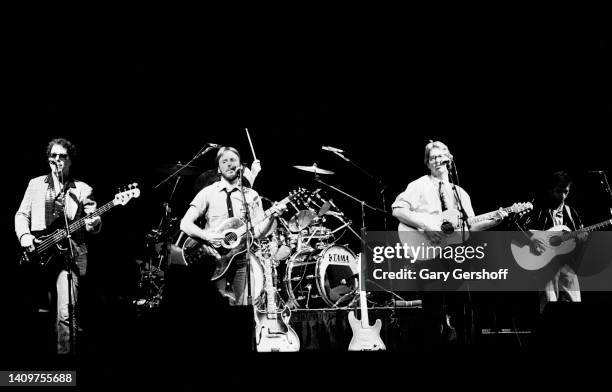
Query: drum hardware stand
x=247, y=220
x=151, y=290
x=354, y=293
x=363, y=220
x=378, y=182
x=605, y=185
x=363, y=205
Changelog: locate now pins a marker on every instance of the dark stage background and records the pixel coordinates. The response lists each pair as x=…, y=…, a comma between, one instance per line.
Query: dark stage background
x=512, y=106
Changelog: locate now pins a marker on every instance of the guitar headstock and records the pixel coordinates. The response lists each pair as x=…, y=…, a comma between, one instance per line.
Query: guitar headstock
x=521, y=208
x=300, y=196
x=130, y=192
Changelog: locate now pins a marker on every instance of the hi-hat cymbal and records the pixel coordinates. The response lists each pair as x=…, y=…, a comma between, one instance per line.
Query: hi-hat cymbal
x=187, y=170
x=301, y=220
x=314, y=169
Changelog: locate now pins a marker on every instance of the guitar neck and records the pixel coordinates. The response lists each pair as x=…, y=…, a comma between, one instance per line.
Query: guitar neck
x=487, y=216
x=268, y=213
x=269, y=287
x=76, y=225
x=363, y=303
x=588, y=229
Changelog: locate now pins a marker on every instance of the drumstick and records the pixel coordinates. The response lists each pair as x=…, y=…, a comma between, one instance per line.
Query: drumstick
x=250, y=143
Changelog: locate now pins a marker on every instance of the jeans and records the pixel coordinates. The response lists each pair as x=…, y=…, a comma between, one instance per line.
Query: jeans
x=563, y=287
x=237, y=274
x=62, y=324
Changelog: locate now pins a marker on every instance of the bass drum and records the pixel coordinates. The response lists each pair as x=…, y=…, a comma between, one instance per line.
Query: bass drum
x=322, y=278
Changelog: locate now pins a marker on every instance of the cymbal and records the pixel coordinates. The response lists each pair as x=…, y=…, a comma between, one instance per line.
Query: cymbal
x=301, y=220
x=188, y=170
x=314, y=169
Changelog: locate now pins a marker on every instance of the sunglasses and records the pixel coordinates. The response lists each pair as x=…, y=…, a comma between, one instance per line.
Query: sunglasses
x=60, y=156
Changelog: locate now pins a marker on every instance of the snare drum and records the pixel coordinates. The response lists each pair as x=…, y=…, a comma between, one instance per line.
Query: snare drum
x=322, y=278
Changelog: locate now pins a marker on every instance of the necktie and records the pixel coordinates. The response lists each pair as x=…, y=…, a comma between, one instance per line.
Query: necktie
x=54, y=204
x=230, y=210
x=442, y=197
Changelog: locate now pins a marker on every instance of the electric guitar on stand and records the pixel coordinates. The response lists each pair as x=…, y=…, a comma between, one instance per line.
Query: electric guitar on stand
x=272, y=330
x=365, y=337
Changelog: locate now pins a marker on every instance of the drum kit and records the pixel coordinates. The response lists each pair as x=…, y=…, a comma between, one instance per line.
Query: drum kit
x=311, y=270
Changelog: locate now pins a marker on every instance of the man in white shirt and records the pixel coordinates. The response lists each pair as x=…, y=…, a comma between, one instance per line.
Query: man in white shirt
x=217, y=203
x=425, y=204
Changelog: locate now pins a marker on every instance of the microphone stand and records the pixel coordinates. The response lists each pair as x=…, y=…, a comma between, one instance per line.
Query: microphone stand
x=361, y=202
x=363, y=221
x=69, y=261
x=378, y=182
x=200, y=153
x=606, y=187
x=464, y=233
x=464, y=218
x=247, y=219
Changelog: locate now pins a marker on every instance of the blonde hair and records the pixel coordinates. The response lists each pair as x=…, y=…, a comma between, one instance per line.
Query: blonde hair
x=223, y=150
x=431, y=145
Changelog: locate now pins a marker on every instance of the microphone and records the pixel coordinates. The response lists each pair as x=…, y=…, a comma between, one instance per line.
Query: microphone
x=596, y=171
x=332, y=149
x=58, y=166
x=209, y=146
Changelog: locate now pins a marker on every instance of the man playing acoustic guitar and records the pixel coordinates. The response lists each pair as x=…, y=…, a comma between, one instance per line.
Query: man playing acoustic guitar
x=218, y=202
x=425, y=204
x=552, y=211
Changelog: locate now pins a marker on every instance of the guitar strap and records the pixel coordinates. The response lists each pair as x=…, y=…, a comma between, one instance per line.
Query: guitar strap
x=571, y=219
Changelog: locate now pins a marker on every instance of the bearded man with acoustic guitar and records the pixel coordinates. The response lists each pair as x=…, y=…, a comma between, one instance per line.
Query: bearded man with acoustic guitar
x=217, y=203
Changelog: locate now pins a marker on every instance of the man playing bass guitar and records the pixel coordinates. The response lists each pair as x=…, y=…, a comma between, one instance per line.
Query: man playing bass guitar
x=44, y=204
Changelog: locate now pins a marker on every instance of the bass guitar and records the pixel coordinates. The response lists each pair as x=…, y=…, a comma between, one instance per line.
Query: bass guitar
x=52, y=240
x=559, y=240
